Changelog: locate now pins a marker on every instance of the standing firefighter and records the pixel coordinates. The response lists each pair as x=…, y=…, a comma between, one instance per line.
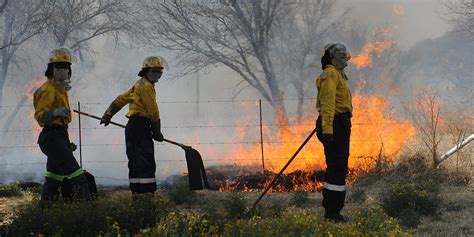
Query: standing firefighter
x=334, y=104
x=53, y=114
x=143, y=125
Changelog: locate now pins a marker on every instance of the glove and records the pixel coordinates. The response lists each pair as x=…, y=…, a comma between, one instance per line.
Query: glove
x=61, y=112
x=105, y=120
x=156, y=131
x=109, y=113
x=72, y=146
x=326, y=138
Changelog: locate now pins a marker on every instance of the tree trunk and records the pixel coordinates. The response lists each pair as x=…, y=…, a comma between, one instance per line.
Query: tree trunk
x=278, y=103
x=300, y=94
x=7, y=29
x=435, y=157
x=3, y=79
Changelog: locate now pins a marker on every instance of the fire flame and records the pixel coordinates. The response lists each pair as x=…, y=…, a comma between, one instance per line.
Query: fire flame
x=364, y=58
x=29, y=91
x=374, y=131
x=376, y=134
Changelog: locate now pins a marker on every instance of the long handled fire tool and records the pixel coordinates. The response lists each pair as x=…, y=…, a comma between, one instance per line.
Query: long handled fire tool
x=281, y=171
x=194, y=161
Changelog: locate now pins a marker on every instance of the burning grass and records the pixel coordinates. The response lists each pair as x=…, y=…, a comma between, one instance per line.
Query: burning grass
x=376, y=133
x=251, y=179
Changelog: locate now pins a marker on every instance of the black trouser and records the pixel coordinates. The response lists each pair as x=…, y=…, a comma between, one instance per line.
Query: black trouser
x=141, y=155
x=337, y=156
x=61, y=164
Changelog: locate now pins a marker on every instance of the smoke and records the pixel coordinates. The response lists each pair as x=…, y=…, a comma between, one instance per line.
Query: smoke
x=207, y=125
x=412, y=21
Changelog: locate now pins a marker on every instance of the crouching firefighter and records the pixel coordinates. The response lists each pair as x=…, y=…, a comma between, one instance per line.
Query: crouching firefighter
x=53, y=114
x=334, y=104
x=143, y=125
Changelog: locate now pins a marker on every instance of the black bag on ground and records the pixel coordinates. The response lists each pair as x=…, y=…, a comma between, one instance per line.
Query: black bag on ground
x=66, y=187
x=196, y=171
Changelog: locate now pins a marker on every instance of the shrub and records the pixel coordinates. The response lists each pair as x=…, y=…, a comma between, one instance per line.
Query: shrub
x=121, y=214
x=374, y=220
x=409, y=202
x=299, y=198
x=9, y=190
x=182, y=224
x=214, y=213
x=358, y=195
x=179, y=192
x=371, y=222
x=274, y=208
x=235, y=205
x=133, y=214
x=409, y=167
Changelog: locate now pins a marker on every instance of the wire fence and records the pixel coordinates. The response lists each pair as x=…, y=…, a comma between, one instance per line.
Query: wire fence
x=79, y=127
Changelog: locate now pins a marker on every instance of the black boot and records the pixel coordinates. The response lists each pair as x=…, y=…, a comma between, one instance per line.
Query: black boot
x=50, y=192
x=335, y=217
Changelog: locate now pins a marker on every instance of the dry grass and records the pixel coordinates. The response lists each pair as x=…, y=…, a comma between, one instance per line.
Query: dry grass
x=455, y=218
x=9, y=204
x=457, y=214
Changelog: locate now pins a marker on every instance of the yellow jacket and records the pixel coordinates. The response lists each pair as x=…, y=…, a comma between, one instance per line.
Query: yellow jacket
x=333, y=97
x=47, y=98
x=142, y=100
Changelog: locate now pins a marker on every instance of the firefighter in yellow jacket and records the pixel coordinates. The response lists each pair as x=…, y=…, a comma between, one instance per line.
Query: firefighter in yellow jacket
x=53, y=114
x=144, y=124
x=334, y=104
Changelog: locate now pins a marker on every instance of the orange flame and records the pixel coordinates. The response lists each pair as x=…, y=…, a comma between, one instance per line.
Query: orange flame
x=376, y=133
x=29, y=91
x=364, y=58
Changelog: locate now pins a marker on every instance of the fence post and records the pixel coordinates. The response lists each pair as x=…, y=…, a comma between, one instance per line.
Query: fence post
x=261, y=135
x=80, y=133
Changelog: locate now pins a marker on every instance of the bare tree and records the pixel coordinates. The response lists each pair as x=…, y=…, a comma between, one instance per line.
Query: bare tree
x=236, y=34
x=459, y=125
x=3, y=5
x=74, y=23
x=20, y=21
x=299, y=41
x=461, y=15
x=425, y=113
